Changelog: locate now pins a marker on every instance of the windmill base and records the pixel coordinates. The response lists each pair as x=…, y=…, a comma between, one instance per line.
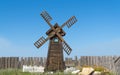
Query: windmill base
x=55, y=61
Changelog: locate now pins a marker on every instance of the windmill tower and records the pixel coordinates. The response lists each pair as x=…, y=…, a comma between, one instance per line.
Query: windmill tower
x=57, y=44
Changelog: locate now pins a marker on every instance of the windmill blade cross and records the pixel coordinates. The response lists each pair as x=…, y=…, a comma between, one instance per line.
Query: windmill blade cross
x=66, y=48
x=70, y=22
x=40, y=42
x=48, y=18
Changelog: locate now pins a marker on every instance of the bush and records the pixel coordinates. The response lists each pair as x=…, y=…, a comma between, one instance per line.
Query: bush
x=100, y=68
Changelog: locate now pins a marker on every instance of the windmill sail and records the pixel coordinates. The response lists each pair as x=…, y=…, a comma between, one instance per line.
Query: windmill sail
x=66, y=48
x=40, y=42
x=46, y=16
x=70, y=22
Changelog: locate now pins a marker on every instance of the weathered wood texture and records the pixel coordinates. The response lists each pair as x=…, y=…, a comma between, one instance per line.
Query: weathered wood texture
x=55, y=56
x=105, y=61
x=18, y=62
x=117, y=64
x=9, y=62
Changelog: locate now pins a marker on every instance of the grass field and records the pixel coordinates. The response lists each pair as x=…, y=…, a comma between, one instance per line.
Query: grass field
x=19, y=72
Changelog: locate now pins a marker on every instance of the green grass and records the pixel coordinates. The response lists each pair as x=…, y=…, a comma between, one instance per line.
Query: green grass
x=19, y=72
x=13, y=72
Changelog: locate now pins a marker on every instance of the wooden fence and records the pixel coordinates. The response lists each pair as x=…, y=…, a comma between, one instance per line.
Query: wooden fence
x=9, y=62
x=18, y=62
x=111, y=63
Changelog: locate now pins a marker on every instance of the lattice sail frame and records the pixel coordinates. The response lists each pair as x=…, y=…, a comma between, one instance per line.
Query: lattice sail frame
x=68, y=23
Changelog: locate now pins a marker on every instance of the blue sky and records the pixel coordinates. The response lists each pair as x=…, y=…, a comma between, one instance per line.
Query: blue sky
x=97, y=31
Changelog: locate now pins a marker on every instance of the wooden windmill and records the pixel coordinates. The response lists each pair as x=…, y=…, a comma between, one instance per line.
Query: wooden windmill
x=57, y=44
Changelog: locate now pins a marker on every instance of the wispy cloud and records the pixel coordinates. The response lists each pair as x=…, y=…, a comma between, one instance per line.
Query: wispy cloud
x=4, y=43
x=101, y=48
x=111, y=44
x=111, y=47
x=9, y=48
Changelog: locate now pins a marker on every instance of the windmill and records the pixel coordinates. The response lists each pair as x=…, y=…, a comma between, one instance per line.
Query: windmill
x=57, y=44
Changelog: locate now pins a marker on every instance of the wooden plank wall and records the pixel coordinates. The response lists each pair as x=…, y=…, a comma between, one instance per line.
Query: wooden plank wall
x=38, y=61
x=117, y=64
x=18, y=62
x=104, y=61
x=9, y=62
